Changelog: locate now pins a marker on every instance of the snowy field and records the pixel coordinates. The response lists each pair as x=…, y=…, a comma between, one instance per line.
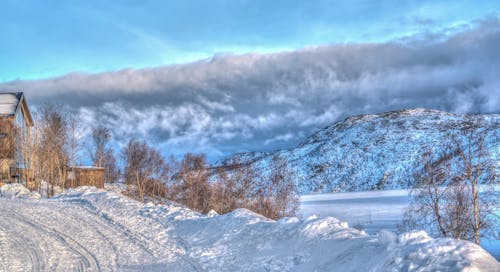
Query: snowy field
x=86, y=229
x=371, y=211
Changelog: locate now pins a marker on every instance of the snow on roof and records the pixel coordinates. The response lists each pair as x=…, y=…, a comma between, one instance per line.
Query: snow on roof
x=86, y=167
x=8, y=103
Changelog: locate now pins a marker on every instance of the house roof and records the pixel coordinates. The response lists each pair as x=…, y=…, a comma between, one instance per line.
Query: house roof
x=10, y=103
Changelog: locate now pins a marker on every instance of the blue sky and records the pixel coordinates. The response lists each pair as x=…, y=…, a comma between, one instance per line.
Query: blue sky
x=42, y=39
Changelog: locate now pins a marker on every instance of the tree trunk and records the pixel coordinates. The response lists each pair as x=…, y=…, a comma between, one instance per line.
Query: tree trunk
x=476, y=212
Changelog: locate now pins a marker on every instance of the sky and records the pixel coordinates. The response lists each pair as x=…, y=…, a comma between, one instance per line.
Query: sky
x=230, y=76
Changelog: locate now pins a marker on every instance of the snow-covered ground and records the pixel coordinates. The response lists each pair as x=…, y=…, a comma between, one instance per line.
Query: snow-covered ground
x=87, y=229
x=371, y=211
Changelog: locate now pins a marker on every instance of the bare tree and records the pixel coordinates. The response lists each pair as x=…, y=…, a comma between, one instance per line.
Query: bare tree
x=477, y=167
x=145, y=169
x=74, y=139
x=28, y=146
x=221, y=199
x=53, y=140
x=192, y=187
x=278, y=196
x=233, y=187
x=100, y=139
x=102, y=154
x=111, y=170
x=238, y=185
x=446, y=199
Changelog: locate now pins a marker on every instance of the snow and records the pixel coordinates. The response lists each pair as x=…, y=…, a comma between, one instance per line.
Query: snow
x=17, y=190
x=8, y=103
x=101, y=230
x=372, y=211
x=373, y=152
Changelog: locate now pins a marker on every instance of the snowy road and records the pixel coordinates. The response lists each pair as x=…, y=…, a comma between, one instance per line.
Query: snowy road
x=51, y=236
x=94, y=230
x=26, y=235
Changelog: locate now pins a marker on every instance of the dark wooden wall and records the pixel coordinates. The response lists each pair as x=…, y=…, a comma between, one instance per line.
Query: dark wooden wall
x=7, y=137
x=7, y=148
x=87, y=177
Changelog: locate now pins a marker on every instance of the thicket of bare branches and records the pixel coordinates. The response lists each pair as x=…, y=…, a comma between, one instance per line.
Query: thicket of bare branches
x=53, y=147
x=191, y=186
x=278, y=197
x=28, y=146
x=273, y=195
x=145, y=169
x=52, y=155
x=447, y=200
x=234, y=187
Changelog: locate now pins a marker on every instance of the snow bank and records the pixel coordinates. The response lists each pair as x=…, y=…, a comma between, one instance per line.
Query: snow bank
x=245, y=241
x=16, y=190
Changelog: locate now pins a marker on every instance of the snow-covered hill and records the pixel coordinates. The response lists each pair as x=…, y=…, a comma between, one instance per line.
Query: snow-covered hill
x=87, y=229
x=368, y=152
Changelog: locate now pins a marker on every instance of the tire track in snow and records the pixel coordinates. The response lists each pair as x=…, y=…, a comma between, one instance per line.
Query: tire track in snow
x=24, y=245
x=137, y=238
x=105, y=238
x=87, y=259
x=66, y=236
x=40, y=233
x=100, y=223
x=140, y=238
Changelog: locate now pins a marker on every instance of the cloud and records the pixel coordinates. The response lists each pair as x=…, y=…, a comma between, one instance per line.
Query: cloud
x=233, y=103
x=282, y=137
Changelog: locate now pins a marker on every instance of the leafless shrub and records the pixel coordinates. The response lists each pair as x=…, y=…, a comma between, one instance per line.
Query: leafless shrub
x=234, y=187
x=277, y=197
x=446, y=199
x=145, y=169
x=192, y=187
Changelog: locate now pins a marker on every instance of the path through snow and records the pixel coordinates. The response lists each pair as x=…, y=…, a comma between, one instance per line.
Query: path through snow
x=91, y=230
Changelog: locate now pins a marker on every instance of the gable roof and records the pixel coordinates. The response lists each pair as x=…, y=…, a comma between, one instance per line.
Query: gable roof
x=11, y=103
x=8, y=103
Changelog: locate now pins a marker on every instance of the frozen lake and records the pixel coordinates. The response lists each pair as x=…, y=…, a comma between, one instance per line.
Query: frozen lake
x=370, y=211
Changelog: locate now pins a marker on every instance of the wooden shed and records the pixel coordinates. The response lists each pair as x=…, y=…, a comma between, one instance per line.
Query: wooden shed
x=85, y=176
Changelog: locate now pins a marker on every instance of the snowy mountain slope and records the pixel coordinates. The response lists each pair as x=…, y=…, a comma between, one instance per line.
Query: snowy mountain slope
x=370, y=152
x=93, y=230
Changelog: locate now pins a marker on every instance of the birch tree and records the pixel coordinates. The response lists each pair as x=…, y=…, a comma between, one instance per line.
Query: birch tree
x=446, y=198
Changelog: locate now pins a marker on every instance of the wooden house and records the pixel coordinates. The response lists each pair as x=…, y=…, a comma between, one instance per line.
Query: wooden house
x=15, y=121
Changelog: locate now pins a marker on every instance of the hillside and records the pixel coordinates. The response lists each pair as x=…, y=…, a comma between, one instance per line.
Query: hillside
x=370, y=152
x=86, y=229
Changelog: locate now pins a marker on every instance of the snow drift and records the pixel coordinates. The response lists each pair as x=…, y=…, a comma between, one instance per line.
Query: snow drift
x=91, y=229
x=16, y=190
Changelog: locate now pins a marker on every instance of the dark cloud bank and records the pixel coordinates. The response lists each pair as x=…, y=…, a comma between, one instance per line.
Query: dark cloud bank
x=259, y=102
